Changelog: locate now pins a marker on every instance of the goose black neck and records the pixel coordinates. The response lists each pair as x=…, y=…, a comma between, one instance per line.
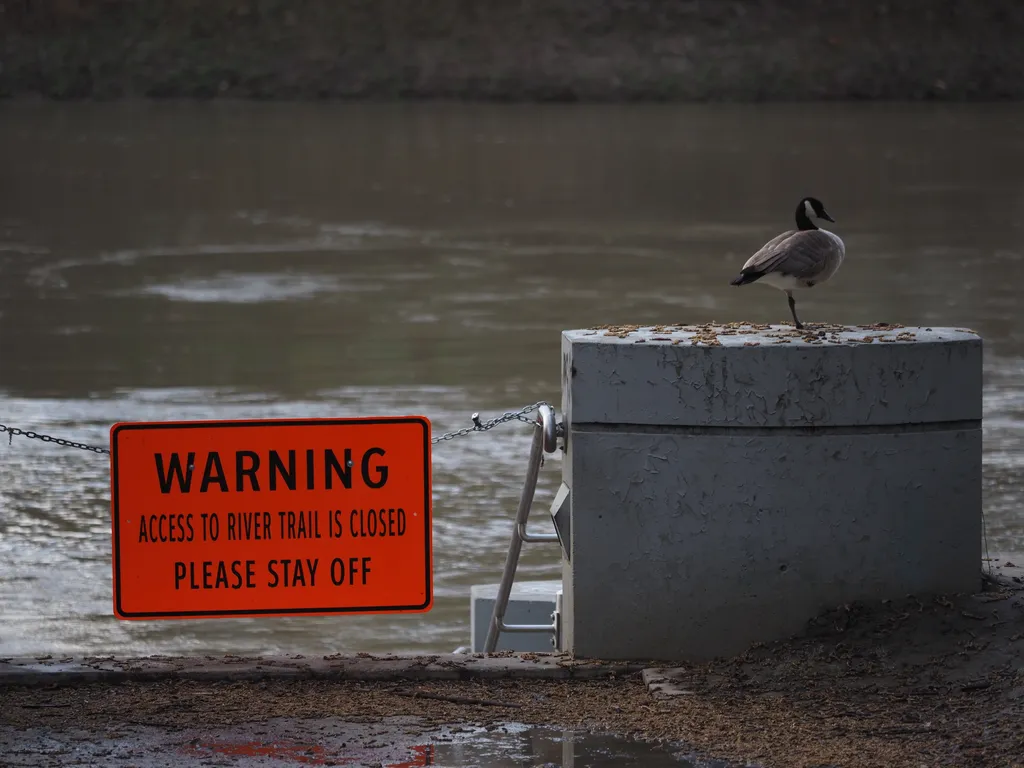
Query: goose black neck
x=803, y=221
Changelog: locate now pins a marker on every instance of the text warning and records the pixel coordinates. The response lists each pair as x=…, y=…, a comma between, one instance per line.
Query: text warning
x=271, y=518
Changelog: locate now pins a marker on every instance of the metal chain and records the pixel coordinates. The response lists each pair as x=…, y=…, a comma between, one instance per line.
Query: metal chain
x=14, y=431
x=478, y=426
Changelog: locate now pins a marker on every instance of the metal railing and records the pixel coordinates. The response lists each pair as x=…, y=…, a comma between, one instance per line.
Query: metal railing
x=545, y=435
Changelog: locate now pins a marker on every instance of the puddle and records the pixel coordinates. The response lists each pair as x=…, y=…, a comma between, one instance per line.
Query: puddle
x=526, y=746
x=290, y=743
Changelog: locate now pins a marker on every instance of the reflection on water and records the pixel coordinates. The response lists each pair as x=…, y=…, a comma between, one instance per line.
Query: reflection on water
x=248, y=261
x=510, y=745
x=515, y=746
x=391, y=743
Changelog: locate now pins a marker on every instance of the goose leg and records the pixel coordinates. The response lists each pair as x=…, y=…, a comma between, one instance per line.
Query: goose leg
x=792, y=308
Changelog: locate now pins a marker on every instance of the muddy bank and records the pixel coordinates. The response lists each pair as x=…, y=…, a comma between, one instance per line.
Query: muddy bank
x=931, y=681
x=559, y=50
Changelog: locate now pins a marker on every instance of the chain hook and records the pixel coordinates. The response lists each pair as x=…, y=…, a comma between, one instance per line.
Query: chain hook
x=546, y=422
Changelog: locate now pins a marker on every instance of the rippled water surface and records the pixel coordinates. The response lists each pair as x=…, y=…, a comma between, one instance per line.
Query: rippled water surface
x=222, y=261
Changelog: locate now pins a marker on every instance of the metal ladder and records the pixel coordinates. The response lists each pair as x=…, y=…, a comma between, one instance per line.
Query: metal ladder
x=545, y=435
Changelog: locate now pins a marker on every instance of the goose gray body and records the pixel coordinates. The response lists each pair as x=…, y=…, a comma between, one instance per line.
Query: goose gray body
x=797, y=258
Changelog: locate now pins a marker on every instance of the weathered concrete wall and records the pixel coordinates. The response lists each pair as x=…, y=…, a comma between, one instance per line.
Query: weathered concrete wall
x=724, y=492
x=560, y=49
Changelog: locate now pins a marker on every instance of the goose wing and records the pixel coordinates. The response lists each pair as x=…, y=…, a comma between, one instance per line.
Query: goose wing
x=802, y=254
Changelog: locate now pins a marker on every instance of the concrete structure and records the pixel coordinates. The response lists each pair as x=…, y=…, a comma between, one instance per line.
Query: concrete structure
x=47, y=672
x=727, y=483
x=531, y=602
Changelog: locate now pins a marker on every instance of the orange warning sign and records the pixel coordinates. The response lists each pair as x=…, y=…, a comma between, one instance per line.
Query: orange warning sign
x=271, y=518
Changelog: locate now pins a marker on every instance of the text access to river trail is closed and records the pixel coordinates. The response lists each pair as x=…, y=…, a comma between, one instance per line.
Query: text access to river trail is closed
x=275, y=517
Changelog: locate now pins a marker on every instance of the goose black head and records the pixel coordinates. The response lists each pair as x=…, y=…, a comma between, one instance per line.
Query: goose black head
x=808, y=207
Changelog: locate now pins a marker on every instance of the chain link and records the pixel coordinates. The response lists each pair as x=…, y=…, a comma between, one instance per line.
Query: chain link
x=12, y=432
x=478, y=426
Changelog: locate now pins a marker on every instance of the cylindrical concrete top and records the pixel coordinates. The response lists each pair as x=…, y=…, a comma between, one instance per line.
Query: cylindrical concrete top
x=750, y=375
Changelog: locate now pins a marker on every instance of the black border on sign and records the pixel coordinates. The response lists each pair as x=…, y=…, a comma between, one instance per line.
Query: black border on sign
x=427, y=517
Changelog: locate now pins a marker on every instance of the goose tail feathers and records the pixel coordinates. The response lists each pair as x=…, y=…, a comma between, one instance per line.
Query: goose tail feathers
x=747, y=277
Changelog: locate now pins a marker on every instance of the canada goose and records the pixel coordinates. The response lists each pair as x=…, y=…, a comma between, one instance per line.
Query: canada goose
x=799, y=258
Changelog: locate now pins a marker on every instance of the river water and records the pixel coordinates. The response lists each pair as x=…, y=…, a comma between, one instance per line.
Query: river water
x=214, y=261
